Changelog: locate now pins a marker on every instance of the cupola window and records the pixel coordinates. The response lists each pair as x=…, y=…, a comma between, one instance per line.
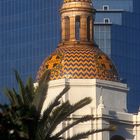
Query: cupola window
x=77, y=27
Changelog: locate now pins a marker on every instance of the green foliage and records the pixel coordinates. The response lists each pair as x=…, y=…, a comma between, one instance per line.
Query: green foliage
x=21, y=119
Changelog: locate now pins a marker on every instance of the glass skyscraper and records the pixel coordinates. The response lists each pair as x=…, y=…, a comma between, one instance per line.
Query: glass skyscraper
x=121, y=20
x=30, y=31
x=126, y=53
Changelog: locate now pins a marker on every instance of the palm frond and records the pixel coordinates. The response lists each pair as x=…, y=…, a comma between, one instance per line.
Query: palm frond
x=83, y=135
x=79, y=120
x=24, y=112
x=40, y=133
x=53, y=104
x=80, y=104
x=12, y=96
x=67, y=110
x=3, y=108
x=21, y=87
x=62, y=112
x=41, y=92
x=56, y=117
x=30, y=91
x=18, y=98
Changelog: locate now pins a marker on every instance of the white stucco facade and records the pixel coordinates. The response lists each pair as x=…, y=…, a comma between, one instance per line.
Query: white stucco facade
x=109, y=107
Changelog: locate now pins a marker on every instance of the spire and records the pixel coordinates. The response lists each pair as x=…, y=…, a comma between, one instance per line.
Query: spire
x=77, y=21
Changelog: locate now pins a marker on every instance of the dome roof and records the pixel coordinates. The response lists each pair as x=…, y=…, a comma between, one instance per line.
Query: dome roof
x=79, y=62
x=77, y=57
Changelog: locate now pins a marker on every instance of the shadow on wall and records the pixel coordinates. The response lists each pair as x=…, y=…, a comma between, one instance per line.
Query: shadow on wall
x=117, y=137
x=123, y=131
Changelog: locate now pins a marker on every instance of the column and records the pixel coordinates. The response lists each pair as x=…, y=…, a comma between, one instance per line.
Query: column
x=83, y=29
x=91, y=29
x=72, y=28
x=63, y=29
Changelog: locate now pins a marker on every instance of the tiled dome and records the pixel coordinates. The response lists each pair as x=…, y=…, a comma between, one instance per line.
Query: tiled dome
x=79, y=62
x=77, y=57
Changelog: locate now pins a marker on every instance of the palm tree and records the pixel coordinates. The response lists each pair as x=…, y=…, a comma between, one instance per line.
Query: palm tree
x=21, y=119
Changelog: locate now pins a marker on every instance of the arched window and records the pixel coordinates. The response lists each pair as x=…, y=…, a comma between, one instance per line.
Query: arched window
x=117, y=137
x=67, y=28
x=77, y=27
x=88, y=29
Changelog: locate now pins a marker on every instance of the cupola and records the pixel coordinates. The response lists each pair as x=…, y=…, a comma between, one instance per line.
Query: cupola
x=77, y=21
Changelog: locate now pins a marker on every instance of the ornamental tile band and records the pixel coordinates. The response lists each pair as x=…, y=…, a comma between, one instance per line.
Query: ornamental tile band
x=79, y=63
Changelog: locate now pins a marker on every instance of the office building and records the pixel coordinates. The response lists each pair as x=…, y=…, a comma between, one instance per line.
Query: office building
x=27, y=30
x=121, y=20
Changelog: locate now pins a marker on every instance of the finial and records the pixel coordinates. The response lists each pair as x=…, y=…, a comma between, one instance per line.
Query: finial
x=101, y=102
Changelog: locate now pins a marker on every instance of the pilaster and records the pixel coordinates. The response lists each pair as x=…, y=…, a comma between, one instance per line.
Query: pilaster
x=72, y=28
x=91, y=29
x=83, y=28
x=63, y=32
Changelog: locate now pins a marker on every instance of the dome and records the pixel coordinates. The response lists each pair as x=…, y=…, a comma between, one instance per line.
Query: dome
x=76, y=56
x=79, y=62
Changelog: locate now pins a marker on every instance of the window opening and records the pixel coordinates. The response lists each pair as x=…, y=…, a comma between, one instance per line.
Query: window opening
x=88, y=29
x=77, y=28
x=105, y=7
x=106, y=20
x=67, y=28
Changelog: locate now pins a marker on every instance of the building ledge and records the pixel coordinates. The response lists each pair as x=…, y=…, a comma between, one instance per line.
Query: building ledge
x=109, y=11
x=102, y=23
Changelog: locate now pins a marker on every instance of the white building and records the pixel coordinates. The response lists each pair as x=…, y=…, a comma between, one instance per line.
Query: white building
x=77, y=61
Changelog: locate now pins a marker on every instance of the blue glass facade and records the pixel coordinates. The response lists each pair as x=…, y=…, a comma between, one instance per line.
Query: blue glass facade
x=123, y=27
x=102, y=36
x=112, y=11
x=126, y=54
x=30, y=31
